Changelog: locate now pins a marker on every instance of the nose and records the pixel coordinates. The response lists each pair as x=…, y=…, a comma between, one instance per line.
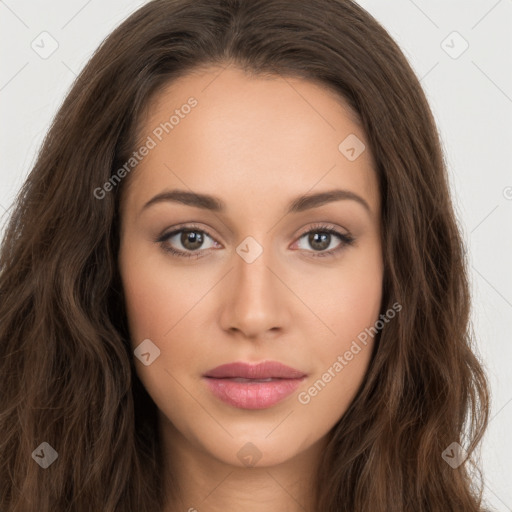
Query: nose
x=255, y=298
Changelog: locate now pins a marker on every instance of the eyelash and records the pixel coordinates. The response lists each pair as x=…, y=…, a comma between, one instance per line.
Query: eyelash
x=346, y=240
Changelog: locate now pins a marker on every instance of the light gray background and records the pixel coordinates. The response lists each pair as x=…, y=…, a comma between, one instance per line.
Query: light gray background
x=471, y=96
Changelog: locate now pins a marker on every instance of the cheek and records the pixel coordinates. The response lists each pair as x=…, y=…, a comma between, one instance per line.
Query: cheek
x=144, y=306
x=346, y=299
x=341, y=358
x=142, y=302
x=160, y=303
x=156, y=309
x=350, y=306
x=329, y=394
x=156, y=297
x=354, y=305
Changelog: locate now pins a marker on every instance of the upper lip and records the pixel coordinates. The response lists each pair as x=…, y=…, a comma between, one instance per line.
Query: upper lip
x=264, y=370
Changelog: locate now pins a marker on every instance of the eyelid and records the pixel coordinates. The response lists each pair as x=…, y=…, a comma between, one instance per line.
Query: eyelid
x=318, y=226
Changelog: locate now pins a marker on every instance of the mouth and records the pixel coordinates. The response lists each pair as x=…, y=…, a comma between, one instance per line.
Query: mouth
x=247, y=386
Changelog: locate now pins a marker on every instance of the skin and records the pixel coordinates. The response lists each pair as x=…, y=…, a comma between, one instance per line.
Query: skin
x=256, y=143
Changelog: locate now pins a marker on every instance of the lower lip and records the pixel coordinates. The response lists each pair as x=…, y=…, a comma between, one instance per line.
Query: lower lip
x=252, y=395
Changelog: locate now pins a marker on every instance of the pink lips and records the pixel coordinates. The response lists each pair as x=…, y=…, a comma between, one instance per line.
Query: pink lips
x=249, y=386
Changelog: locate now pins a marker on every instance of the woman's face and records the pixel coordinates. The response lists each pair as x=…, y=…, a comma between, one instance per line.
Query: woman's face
x=266, y=280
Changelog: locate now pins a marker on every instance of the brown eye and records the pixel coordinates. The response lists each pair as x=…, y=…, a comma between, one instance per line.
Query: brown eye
x=320, y=238
x=191, y=240
x=186, y=242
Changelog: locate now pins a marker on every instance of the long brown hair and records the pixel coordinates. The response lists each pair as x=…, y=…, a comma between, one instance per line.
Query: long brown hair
x=67, y=374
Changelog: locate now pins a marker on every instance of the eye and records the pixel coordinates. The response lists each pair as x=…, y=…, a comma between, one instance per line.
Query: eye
x=320, y=238
x=190, y=238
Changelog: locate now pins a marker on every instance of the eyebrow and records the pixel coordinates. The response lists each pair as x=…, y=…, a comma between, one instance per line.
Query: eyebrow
x=214, y=204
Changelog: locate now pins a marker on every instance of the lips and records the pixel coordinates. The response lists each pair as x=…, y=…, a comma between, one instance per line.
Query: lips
x=247, y=386
x=265, y=370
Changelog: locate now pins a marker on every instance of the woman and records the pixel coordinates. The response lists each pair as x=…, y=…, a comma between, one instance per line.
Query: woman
x=234, y=278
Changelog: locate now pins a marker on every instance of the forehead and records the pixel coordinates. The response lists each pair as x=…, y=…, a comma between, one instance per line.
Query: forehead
x=252, y=139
